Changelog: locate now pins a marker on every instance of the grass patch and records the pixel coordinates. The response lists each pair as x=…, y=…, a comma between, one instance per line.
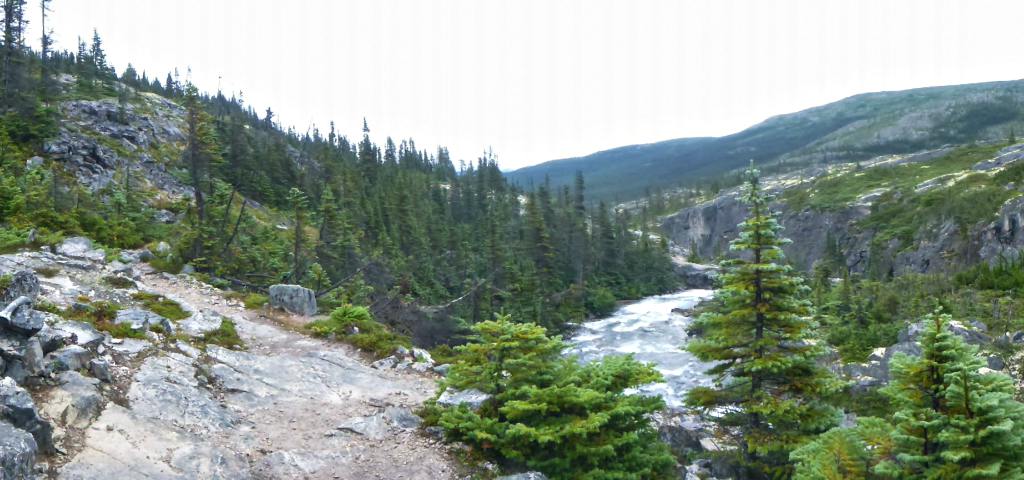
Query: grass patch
x=356, y=325
x=252, y=301
x=162, y=306
x=101, y=315
x=226, y=336
x=47, y=272
x=119, y=282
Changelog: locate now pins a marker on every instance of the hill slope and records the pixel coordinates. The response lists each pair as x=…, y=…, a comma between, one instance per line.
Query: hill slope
x=852, y=129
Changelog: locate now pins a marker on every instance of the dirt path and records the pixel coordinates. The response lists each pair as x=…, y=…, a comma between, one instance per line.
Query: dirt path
x=289, y=406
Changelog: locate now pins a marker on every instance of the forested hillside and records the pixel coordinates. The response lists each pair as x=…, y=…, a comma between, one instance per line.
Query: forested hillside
x=856, y=128
x=131, y=160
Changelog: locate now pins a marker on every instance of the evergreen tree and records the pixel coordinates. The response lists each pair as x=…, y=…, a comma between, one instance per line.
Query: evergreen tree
x=769, y=387
x=551, y=414
x=952, y=420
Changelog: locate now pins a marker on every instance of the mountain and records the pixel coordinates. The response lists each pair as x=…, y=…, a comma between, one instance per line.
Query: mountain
x=855, y=128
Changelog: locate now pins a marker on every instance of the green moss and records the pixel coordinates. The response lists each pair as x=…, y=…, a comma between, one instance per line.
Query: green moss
x=101, y=314
x=226, y=336
x=356, y=325
x=162, y=306
x=119, y=282
x=47, y=272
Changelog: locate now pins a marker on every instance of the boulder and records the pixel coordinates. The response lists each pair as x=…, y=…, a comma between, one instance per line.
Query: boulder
x=17, y=408
x=76, y=402
x=695, y=275
x=422, y=355
x=402, y=417
x=294, y=299
x=50, y=339
x=19, y=317
x=100, y=368
x=472, y=398
x=142, y=320
x=17, y=452
x=81, y=334
x=682, y=433
x=81, y=248
x=33, y=357
x=23, y=283
x=72, y=357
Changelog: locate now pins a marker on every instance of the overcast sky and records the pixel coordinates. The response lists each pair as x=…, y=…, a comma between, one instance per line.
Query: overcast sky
x=538, y=80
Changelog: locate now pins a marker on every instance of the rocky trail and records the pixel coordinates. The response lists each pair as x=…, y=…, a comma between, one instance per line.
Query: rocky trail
x=285, y=406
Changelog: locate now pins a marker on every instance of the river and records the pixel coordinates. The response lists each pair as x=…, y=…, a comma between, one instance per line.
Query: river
x=652, y=332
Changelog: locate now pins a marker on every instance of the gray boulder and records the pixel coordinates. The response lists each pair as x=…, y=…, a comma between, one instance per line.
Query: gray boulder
x=33, y=357
x=75, y=402
x=23, y=283
x=100, y=368
x=50, y=339
x=72, y=357
x=695, y=275
x=294, y=299
x=142, y=320
x=17, y=408
x=402, y=417
x=80, y=333
x=17, y=452
x=472, y=398
x=19, y=317
x=81, y=248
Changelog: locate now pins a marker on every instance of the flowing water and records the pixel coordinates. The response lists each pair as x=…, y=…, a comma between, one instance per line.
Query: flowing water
x=652, y=332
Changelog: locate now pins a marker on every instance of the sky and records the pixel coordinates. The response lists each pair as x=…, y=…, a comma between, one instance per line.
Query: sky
x=537, y=80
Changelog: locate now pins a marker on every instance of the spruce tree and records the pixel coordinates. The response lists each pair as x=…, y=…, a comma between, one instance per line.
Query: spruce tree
x=952, y=419
x=768, y=388
x=548, y=413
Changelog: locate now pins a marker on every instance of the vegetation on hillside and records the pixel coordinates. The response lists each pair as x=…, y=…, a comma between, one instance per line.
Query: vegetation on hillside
x=432, y=246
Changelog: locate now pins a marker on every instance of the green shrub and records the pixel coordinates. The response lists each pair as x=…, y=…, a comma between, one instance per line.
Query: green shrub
x=101, y=314
x=356, y=325
x=601, y=301
x=162, y=306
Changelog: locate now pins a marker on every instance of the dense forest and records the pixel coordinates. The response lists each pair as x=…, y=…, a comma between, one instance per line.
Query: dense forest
x=432, y=246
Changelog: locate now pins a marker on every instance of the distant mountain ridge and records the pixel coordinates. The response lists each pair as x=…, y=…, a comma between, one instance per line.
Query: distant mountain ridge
x=851, y=129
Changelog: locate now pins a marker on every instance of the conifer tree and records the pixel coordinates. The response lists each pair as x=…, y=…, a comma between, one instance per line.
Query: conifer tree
x=952, y=420
x=201, y=152
x=768, y=387
x=551, y=414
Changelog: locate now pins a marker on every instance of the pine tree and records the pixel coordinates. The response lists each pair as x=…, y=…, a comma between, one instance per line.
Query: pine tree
x=200, y=154
x=952, y=420
x=551, y=414
x=845, y=453
x=300, y=210
x=768, y=385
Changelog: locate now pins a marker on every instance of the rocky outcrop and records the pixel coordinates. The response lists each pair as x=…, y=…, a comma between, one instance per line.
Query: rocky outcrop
x=696, y=275
x=294, y=299
x=941, y=246
x=19, y=410
x=17, y=452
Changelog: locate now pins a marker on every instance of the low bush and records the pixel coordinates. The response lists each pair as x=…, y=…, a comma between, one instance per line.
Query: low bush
x=356, y=325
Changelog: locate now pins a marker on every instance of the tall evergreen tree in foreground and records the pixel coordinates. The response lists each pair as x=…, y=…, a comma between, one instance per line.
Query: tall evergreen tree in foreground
x=769, y=391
